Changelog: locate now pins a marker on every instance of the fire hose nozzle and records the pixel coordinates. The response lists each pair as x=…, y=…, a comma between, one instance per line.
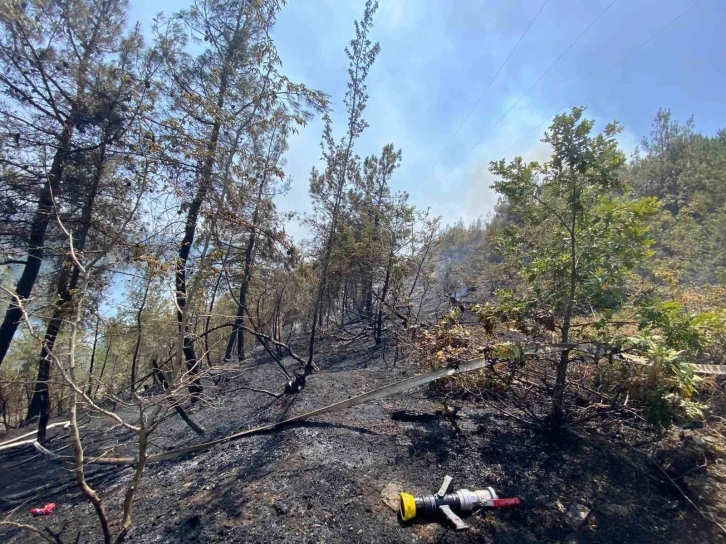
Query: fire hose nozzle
x=449, y=503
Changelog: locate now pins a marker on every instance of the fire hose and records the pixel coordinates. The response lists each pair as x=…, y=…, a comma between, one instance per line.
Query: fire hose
x=377, y=394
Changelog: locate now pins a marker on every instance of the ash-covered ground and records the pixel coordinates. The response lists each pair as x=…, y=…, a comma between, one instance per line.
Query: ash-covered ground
x=327, y=480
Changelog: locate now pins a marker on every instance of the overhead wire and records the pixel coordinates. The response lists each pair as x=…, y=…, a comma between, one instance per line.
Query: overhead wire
x=552, y=65
x=490, y=84
x=572, y=101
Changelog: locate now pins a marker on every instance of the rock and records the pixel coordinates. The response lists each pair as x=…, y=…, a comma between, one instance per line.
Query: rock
x=281, y=508
x=390, y=495
x=577, y=515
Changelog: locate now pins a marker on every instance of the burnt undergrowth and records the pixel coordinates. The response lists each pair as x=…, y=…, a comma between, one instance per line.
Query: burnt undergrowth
x=322, y=480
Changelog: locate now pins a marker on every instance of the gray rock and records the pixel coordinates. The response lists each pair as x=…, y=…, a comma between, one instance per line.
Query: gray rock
x=281, y=508
x=390, y=495
x=577, y=515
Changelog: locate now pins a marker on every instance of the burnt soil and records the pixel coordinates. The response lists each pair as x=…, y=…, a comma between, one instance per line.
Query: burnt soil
x=322, y=481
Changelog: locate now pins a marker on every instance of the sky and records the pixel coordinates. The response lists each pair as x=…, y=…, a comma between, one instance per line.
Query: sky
x=438, y=57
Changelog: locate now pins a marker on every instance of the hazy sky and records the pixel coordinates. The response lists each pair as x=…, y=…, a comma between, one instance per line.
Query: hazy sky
x=438, y=57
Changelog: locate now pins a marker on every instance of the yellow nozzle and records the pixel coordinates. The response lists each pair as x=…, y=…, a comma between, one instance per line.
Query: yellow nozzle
x=408, y=507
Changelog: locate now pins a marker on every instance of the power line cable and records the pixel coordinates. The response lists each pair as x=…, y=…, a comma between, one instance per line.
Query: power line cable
x=490, y=84
x=570, y=103
x=557, y=60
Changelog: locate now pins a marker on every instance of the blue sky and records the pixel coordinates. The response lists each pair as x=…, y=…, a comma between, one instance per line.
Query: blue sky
x=437, y=58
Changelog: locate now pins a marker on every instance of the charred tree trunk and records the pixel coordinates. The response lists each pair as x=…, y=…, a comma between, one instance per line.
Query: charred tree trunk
x=328, y=251
x=36, y=240
x=160, y=375
x=67, y=284
x=369, y=298
x=205, y=179
x=103, y=368
x=207, y=349
x=343, y=303
x=137, y=345
x=93, y=359
x=190, y=357
x=376, y=237
x=164, y=379
x=237, y=335
x=46, y=205
x=384, y=292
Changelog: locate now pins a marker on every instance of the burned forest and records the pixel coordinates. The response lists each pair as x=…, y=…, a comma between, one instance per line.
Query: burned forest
x=200, y=344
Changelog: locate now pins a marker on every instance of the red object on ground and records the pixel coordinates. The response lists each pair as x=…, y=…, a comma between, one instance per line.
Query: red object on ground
x=500, y=503
x=45, y=511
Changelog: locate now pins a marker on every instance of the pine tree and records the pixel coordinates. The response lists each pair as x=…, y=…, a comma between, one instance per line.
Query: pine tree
x=328, y=189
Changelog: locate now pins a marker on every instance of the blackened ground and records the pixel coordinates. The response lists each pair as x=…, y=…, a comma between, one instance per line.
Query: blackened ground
x=322, y=481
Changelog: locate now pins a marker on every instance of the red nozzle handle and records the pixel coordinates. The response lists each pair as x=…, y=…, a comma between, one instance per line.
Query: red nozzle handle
x=502, y=503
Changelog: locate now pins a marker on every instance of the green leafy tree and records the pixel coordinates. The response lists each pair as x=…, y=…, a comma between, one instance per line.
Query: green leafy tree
x=574, y=238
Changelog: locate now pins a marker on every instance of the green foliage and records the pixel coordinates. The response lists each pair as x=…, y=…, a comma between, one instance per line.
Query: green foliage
x=672, y=339
x=509, y=307
x=487, y=315
x=686, y=171
x=573, y=238
x=584, y=233
x=681, y=330
x=508, y=350
x=694, y=333
x=450, y=319
x=670, y=385
x=571, y=219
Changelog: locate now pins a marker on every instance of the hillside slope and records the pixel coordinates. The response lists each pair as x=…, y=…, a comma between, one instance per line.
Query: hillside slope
x=322, y=481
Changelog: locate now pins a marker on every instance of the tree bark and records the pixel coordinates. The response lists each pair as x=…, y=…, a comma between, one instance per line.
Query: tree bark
x=67, y=283
x=237, y=335
x=384, y=292
x=208, y=320
x=46, y=204
x=195, y=388
x=317, y=307
x=103, y=368
x=137, y=345
x=93, y=359
x=376, y=225
x=205, y=179
x=36, y=240
x=558, y=393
